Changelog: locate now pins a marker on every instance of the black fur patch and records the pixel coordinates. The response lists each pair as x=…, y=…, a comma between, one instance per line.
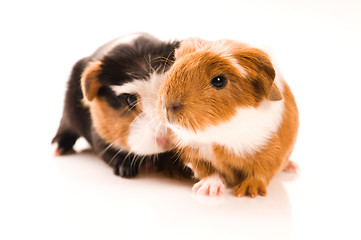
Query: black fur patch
x=136, y=60
x=112, y=99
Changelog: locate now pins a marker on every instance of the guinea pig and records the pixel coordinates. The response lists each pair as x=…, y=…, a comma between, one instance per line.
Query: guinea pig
x=233, y=117
x=111, y=102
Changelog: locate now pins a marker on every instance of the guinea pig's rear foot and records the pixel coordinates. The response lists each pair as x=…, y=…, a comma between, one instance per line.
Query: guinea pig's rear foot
x=63, y=143
x=291, y=167
x=251, y=187
x=210, y=186
x=58, y=150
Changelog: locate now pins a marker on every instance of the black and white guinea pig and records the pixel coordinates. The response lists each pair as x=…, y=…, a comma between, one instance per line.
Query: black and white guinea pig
x=111, y=102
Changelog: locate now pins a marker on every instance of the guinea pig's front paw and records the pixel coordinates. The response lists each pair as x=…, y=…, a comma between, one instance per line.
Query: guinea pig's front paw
x=211, y=186
x=291, y=167
x=251, y=187
x=127, y=170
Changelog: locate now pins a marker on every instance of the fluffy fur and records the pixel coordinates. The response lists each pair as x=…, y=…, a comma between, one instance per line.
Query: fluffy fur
x=110, y=101
x=242, y=132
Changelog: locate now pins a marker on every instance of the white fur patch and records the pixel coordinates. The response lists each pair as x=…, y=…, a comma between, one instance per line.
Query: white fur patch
x=145, y=128
x=239, y=67
x=142, y=136
x=247, y=131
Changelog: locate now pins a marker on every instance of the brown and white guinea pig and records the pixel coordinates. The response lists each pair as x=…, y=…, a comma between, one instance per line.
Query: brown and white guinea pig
x=232, y=115
x=111, y=102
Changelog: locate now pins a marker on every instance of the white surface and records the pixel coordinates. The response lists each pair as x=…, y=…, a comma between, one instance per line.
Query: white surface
x=317, y=45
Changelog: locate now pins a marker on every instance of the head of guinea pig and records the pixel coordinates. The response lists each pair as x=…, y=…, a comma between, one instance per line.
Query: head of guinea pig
x=120, y=91
x=210, y=80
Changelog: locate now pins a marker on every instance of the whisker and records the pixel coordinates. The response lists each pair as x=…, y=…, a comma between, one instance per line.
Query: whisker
x=100, y=155
x=115, y=155
x=136, y=118
x=167, y=61
x=125, y=159
x=135, y=158
x=149, y=62
x=141, y=161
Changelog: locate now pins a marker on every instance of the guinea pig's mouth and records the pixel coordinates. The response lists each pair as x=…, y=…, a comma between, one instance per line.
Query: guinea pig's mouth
x=163, y=143
x=144, y=147
x=179, y=123
x=172, y=112
x=171, y=121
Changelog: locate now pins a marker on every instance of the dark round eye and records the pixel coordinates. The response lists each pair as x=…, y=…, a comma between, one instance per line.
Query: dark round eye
x=219, y=82
x=131, y=100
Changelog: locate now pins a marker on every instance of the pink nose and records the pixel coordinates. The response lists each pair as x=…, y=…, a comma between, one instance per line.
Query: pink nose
x=163, y=142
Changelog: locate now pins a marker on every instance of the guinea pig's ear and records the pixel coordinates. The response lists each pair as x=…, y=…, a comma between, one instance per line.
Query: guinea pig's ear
x=188, y=46
x=261, y=73
x=90, y=80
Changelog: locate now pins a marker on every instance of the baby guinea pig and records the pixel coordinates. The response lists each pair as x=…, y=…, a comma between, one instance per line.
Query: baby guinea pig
x=111, y=101
x=233, y=116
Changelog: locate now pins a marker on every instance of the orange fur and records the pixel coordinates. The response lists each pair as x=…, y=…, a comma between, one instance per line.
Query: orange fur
x=196, y=90
x=188, y=82
x=111, y=124
x=259, y=168
x=202, y=167
x=89, y=81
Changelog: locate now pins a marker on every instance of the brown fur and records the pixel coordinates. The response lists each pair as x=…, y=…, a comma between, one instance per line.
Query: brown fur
x=108, y=124
x=188, y=82
x=196, y=90
x=259, y=168
x=89, y=81
x=111, y=124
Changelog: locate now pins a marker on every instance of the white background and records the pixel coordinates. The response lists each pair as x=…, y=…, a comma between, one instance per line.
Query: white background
x=317, y=46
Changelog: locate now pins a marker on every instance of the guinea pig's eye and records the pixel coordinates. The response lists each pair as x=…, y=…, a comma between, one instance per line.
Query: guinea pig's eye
x=219, y=82
x=131, y=100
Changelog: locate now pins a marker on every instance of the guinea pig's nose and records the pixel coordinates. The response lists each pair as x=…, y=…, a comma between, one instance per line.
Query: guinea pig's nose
x=174, y=107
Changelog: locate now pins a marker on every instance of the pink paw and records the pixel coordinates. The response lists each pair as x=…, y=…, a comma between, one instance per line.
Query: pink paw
x=291, y=167
x=57, y=150
x=211, y=186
